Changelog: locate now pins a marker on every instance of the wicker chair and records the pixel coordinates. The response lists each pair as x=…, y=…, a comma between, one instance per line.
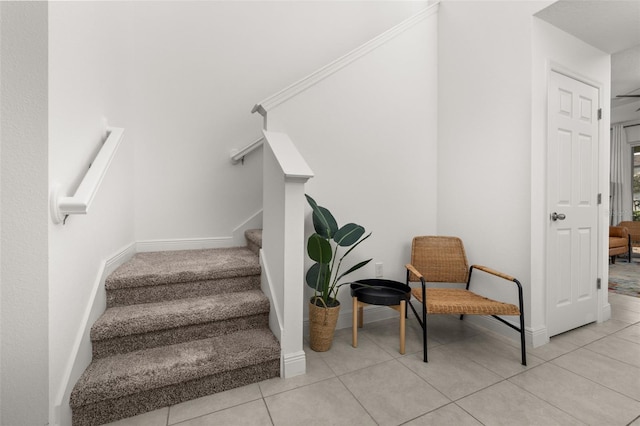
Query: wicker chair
x=442, y=259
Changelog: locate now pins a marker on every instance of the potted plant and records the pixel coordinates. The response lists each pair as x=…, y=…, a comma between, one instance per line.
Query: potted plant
x=324, y=276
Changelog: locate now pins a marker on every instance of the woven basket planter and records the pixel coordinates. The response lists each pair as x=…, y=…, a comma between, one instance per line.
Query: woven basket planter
x=322, y=325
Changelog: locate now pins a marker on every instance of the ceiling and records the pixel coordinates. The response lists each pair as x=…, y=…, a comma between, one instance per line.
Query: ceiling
x=612, y=26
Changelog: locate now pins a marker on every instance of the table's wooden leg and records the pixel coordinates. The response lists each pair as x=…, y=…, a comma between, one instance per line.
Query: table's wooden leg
x=354, y=340
x=403, y=314
x=360, y=314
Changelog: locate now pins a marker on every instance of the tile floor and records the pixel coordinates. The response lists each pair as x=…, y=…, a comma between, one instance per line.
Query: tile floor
x=589, y=376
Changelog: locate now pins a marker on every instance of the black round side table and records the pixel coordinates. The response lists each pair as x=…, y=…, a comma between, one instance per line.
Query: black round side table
x=377, y=291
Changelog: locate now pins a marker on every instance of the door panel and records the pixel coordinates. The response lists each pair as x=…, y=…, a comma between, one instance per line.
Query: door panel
x=572, y=159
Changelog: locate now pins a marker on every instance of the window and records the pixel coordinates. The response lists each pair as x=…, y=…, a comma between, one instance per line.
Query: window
x=636, y=182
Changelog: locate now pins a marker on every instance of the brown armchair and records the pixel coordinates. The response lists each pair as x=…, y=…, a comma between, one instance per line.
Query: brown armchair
x=634, y=233
x=619, y=242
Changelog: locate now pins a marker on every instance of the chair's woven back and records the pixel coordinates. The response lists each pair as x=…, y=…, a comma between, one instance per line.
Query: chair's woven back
x=439, y=259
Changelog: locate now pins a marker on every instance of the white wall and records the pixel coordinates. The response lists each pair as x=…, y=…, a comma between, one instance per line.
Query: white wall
x=369, y=134
x=181, y=78
x=633, y=134
x=624, y=113
x=199, y=67
x=493, y=61
x=24, y=309
x=89, y=62
x=484, y=178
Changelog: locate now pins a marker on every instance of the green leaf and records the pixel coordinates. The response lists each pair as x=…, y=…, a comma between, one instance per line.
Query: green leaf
x=319, y=249
x=348, y=234
x=354, y=246
x=317, y=277
x=323, y=221
x=353, y=268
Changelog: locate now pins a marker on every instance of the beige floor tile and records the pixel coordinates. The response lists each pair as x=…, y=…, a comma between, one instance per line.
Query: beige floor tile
x=152, y=418
x=448, y=415
x=448, y=328
x=617, y=348
x=343, y=357
x=580, y=336
x=211, y=403
x=391, y=393
x=601, y=369
x=607, y=327
x=502, y=359
x=553, y=349
x=506, y=404
x=451, y=372
x=583, y=399
x=631, y=333
x=625, y=315
x=387, y=336
x=626, y=302
x=250, y=414
x=323, y=403
x=317, y=370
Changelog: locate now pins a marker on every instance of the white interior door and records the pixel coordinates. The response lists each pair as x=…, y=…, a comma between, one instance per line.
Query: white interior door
x=572, y=203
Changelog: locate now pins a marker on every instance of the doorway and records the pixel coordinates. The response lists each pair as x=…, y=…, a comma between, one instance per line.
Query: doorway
x=572, y=202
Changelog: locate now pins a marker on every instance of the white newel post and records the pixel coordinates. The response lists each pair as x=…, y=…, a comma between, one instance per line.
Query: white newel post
x=283, y=250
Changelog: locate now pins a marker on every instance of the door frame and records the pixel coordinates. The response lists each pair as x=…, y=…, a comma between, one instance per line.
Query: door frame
x=579, y=312
x=539, y=207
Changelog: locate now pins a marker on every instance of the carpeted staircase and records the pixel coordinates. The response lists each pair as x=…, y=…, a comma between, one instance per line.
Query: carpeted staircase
x=179, y=325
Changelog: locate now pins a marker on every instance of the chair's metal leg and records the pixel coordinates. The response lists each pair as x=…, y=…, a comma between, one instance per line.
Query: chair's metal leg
x=467, y=287
x=424, y=323
x=354, y=325
x=522, y=342
x=403, y=316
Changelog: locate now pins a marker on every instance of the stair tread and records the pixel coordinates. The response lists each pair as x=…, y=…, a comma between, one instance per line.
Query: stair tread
x=126, y=374
x=153, y=268
x=143, y=318
x=254, y=236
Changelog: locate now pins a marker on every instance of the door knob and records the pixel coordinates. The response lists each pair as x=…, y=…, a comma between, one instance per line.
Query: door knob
x=557, y=216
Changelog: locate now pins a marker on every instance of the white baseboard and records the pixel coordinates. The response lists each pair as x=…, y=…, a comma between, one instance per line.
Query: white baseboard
x=606, y=312
x=537, y=337
x=372, y=314
x=81, y=354
x=533, y=338
x=275, y=320
x=254, y=222
x=294, y=364
x=185, y=244
x=237, y=239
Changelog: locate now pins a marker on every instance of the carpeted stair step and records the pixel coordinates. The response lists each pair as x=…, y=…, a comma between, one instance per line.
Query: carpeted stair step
x=160, y=276
x=134, y=327
x=254, y=240
x=125, y=385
